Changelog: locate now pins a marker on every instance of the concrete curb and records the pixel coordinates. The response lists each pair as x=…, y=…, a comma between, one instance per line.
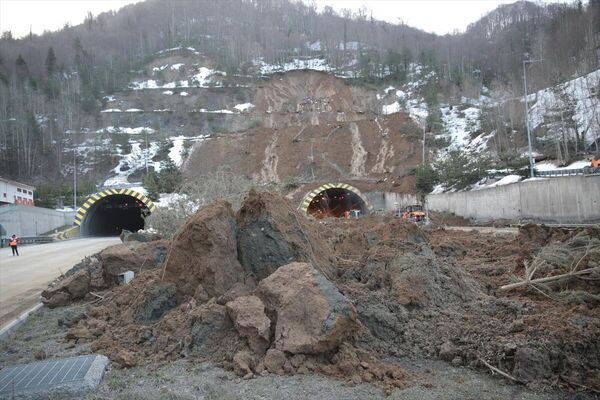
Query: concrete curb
x=19, y=320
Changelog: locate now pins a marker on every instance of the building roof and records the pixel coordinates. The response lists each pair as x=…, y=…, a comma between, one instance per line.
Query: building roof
x=15, y=183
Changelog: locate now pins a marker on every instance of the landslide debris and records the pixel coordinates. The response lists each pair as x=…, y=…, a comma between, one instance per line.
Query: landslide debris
x=100, y=271
x=269, y=291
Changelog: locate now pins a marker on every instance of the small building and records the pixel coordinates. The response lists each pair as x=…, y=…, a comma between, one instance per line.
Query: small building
x=12, y=192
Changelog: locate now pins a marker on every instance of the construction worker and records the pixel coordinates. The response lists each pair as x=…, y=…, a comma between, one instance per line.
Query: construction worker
x=12, y=242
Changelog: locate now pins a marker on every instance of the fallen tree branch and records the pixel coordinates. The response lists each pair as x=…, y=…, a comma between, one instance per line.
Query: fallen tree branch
x=498, y=371
x=97, y=295
x=549, y=278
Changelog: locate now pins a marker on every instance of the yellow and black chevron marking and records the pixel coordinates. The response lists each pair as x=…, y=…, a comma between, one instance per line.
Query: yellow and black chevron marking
x=67, y=234
x=313, y=193
x=111, y=192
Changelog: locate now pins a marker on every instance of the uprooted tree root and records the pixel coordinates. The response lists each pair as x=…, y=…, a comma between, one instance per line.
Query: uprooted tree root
x=553, y=270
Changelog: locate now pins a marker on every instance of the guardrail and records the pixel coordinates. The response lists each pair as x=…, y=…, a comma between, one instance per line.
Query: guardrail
x=28, y=240
x=561, y=172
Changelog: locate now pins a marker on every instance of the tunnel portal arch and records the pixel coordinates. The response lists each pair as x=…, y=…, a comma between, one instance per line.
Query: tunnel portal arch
x=107, y=212
x=341, y=196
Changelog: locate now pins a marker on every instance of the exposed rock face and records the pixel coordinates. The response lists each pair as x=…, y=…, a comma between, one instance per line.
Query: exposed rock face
x=270, y=235
x=156, y=302
x=203, y=252
x=311, y=315
x=209, y=321
x=250, y=321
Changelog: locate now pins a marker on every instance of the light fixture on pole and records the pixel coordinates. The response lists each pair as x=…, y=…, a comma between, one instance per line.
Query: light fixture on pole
x=531, y=165
x=74, y=178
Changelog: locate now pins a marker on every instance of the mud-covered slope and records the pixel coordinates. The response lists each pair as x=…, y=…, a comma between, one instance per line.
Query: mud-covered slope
x=313, y=126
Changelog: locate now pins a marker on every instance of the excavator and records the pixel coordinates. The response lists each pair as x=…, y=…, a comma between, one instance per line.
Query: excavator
x=414, y=213
x=593, y=168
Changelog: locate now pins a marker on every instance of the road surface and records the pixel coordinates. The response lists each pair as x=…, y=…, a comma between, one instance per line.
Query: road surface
x=23, y=278
x=485, y=229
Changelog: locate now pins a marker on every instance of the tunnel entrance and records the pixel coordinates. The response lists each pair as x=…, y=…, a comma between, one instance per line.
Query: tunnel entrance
x=335, y=200
x=110, y=212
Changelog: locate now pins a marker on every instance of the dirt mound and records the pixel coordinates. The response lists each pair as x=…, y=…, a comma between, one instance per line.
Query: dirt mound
x=100, y=271
x=270, y=233
x=380, y=288
x=131, y=256
x=203, y=255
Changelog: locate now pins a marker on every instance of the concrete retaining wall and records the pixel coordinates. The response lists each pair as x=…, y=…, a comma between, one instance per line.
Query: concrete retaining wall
x=571, y=199
x=388, y=201
x=32, y=221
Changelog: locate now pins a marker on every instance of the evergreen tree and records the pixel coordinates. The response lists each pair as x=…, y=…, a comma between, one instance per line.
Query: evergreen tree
x=50, y=61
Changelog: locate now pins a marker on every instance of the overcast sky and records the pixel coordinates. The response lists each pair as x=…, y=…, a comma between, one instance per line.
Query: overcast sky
x=439, y=16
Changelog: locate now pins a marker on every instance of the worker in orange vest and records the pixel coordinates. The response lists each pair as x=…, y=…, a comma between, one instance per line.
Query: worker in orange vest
x=13, y=245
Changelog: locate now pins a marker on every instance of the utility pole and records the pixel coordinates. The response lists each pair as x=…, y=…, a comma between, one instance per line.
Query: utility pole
x=531, y=163
x=424, y=129
x=74, y=178
x=146, y=152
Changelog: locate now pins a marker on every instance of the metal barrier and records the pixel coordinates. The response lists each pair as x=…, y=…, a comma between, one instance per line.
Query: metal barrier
x=561, y=172
x=28, y=240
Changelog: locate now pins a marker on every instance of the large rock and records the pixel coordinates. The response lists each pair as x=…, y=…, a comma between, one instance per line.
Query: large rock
x=271, y=234
x=74, y=287
x=210, y=322
x=250, y=321
x=203, y=252
x=131, y=256
x=311, y=315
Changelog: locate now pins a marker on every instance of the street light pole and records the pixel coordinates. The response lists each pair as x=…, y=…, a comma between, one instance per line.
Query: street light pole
x=531, y=166
x=74, y=178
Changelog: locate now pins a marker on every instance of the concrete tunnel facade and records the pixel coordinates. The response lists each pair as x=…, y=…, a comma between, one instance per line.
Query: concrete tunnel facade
x=333, y=200
x=108, y=212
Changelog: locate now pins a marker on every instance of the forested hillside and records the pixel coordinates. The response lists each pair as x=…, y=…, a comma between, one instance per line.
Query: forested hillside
x=56, y=88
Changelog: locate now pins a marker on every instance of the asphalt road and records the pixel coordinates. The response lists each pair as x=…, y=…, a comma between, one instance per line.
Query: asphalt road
x=23, y=278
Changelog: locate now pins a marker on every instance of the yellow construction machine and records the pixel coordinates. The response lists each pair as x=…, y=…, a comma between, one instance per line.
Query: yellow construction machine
x=414, y=213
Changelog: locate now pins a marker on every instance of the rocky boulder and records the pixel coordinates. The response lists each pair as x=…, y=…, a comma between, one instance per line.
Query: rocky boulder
x=250, y=321
x=271, y=233
x=203, y=252
x=310, y=313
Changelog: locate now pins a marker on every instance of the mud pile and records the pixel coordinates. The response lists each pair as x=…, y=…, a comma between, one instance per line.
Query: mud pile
x=267, y=290
x=253, y=292
x=101, y=271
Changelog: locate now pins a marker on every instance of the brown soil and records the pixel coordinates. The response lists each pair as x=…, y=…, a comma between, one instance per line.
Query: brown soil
x=314, y=127
x=396, y=289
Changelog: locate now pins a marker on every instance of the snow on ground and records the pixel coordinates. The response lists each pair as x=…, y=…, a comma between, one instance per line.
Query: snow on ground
x=578, y=96
x=134, y=110
x=204, y=78
x=168, y=92
x=130, y=131
x=547, y=166
x=184, y=94
x=134, y=161
x=175, y=67
x=459, y=124
x=161, y=68
x=193, y=50
x=243, y=107
x=506, y=180
x=111, y=110
x=315, y=46
x=317, y=64
x=391, y=108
